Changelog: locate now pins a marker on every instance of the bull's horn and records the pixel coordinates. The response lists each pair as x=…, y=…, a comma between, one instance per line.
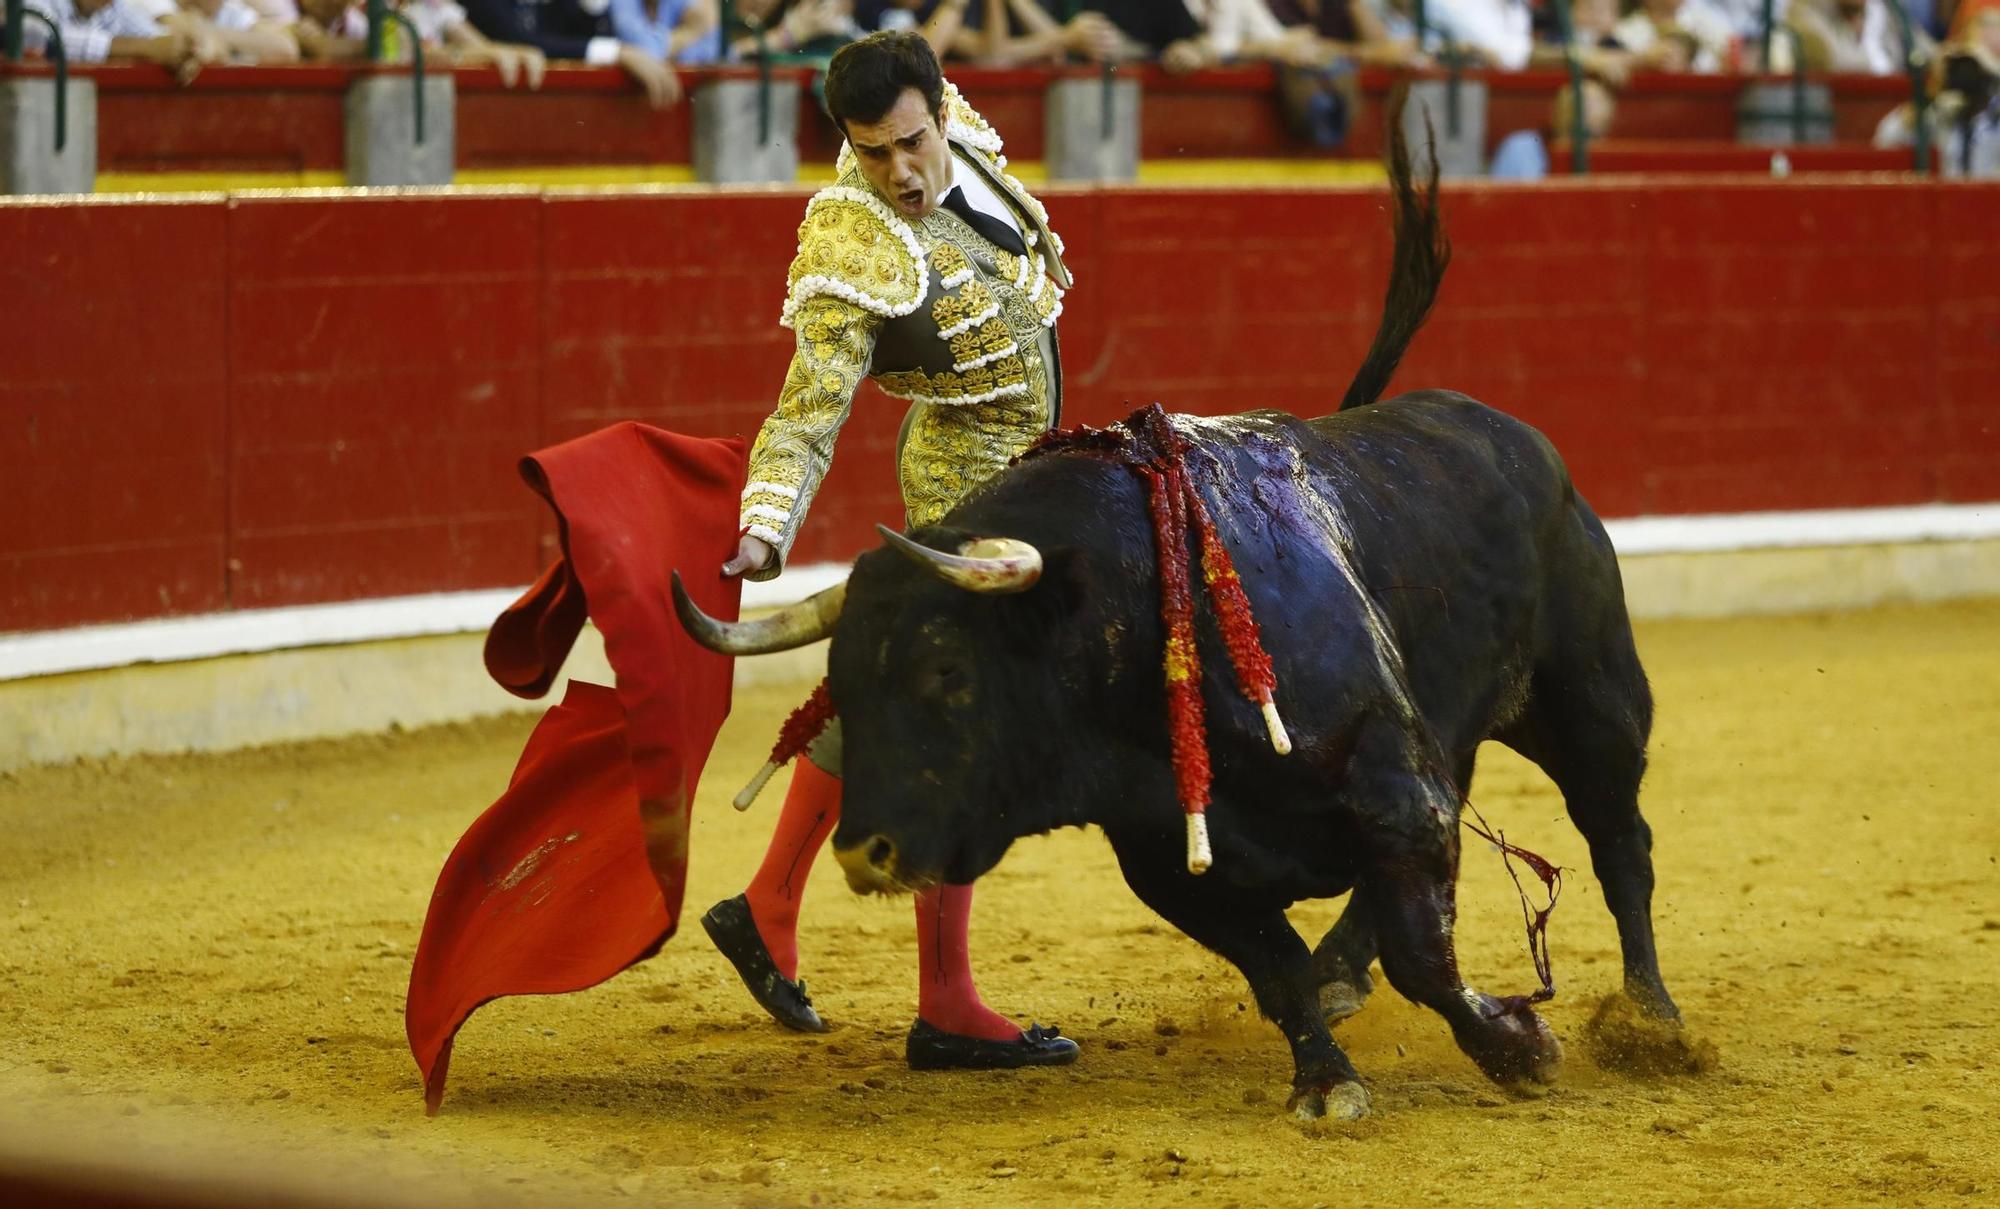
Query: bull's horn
x=807, y=621
x=991, y=565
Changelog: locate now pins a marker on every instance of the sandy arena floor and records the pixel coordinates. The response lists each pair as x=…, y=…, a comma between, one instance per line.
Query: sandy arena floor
x=205, y=960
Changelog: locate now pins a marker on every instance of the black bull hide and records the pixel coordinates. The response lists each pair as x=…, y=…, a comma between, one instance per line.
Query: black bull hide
x=1425, y=577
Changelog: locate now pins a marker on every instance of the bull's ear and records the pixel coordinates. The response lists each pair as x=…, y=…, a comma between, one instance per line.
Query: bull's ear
x=1046, y=613
x=1065, y=582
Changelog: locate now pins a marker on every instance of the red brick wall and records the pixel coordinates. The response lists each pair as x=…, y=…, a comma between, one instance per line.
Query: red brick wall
x=279, y=400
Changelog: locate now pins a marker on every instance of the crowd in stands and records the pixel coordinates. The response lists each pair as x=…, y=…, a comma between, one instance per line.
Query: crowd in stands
x=1315, y=44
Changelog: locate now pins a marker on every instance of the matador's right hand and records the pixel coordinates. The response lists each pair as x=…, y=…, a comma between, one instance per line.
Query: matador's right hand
x=752, y=554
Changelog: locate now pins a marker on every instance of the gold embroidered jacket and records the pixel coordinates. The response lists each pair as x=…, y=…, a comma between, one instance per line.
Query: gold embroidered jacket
x=933, y=312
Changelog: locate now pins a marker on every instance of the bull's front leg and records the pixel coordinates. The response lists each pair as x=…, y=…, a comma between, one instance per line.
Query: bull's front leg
x=1259, y=941
x=1412, y=896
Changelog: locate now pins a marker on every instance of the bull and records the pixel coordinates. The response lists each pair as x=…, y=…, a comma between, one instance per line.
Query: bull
x=1426, y=577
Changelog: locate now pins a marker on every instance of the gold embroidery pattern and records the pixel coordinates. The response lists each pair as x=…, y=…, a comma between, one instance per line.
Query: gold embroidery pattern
x=847, y=250
x=795, y=446
x=972, y=300
x=949, y=261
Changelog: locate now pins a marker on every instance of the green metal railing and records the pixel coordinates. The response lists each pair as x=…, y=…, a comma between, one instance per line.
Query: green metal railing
x=1579, y=122
x=1453, y=56
x=1917, y=65
x=727, y=16
x=13, y=36
x=380, y=17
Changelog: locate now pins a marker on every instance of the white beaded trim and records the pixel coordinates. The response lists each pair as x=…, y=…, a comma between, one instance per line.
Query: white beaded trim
x=760, y=487
x=1041, y=279
x=987, y=140
x=1028, y=199
x=1054, y=315
x=958, y=279
x=1014, y=390
x=767, y=533
x=968, y=324
x=988, y=359
x=815, y=284
x=766, y=512
x=1025, y=269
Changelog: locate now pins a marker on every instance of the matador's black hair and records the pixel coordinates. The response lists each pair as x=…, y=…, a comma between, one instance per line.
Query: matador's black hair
x=865, y=78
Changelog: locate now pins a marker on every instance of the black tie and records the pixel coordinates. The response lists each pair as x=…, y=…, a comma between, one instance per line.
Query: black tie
x=998, y=232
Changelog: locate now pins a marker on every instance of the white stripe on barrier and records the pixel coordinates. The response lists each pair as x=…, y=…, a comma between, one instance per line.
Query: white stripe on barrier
x=1790, y=530
x=249, y=631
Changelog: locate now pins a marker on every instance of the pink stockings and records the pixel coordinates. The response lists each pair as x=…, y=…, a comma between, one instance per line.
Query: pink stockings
x=946, y=996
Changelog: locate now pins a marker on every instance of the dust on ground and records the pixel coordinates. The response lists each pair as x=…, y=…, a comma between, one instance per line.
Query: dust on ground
x=205, y=960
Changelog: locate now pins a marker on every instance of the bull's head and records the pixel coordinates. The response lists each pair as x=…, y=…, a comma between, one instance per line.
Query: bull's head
x=956, y=698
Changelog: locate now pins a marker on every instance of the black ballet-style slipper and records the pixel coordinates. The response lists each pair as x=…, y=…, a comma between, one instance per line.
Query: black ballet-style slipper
x=729, y=925
x=931, y=1048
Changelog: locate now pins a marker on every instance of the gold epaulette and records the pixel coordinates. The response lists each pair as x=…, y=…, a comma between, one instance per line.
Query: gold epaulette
x=854, y=247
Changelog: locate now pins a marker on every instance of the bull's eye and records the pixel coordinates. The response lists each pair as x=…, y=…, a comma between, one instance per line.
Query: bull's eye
x=945, y=681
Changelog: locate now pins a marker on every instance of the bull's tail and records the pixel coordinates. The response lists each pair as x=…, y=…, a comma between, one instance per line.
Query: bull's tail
x=1416, y=267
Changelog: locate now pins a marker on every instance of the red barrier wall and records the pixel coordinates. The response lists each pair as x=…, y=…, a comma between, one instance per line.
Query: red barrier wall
x=273, y=400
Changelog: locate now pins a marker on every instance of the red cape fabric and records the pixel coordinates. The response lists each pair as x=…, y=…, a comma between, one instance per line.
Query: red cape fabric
x=578, y=871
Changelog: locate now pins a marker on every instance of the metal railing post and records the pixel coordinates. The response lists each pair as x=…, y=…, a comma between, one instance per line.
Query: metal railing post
x=1920, y=102
x=379, y=14
x=16, y=34
x=1798, y=80
x=1454, y=66
x=1107, y=117
x=1579, y=124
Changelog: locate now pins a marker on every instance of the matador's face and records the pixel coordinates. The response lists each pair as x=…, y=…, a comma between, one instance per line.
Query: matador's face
x=904, y=155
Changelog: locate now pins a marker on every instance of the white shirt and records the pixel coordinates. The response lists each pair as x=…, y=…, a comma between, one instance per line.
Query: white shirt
x=1233, y=23
x=1500, y=29
x=1709, y=28
x=88, y=39
x=980, y=195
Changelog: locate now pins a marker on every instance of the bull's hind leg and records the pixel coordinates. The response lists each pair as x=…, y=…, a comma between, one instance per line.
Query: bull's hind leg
x=1413, y=898
x=1587, y=728
x=1410, y=834
x=1343, y=955
x=1259, y=941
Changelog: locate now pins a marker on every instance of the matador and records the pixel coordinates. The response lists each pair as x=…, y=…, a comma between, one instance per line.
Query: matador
x=928, y=268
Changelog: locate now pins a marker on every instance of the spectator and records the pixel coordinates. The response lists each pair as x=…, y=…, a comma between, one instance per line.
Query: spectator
x=789, y=29
x=244, y=34
x=331, y=31
x=687, y=32
x=96, y=30
x=1154, y=29
x=950, y=26
x=1964, y=117
x=1524, y=154
x=1594, y=37
x=1364, y=30
x=1852, y=35
x=1678, y=35
x=448, y=33
x=1238, y=30
x=574, y=29
x=1498, y=33
x=1016, y=32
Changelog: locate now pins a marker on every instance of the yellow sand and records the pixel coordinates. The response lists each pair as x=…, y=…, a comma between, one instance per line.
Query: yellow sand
x=205, y=958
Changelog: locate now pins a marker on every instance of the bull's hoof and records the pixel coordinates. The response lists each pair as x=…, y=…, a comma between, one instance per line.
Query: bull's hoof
x=1624, y=1036
x=1342, y=998
x=1340, y=1102
x=1515, y=1047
